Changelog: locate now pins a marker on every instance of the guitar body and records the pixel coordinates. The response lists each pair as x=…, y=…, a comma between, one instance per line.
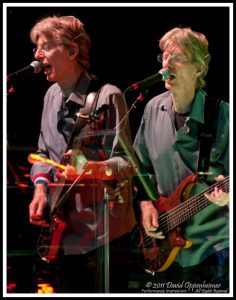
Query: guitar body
x=159, y=254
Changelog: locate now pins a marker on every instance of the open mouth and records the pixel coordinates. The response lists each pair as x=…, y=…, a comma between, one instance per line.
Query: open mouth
x=47, y=68
x=172, y=77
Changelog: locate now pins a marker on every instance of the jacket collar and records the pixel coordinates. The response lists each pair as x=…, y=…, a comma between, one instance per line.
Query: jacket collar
x=80, y=91
x=197, y=109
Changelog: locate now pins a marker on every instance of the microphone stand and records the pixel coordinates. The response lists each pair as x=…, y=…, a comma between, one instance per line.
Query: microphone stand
x=138, y=99
x=11, y=90
x=163, y=74
x=109, y=197
x=106, y=244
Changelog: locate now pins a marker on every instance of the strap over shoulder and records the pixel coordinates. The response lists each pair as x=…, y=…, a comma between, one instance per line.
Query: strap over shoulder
x=206, y=135
x=90, y=105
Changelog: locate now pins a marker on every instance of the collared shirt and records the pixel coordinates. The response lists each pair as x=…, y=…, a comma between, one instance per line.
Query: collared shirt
x=170, y=155
x=84, y=211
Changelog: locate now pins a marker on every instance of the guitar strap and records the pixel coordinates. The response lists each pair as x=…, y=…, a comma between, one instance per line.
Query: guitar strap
x=86, y=111
x=206, y=135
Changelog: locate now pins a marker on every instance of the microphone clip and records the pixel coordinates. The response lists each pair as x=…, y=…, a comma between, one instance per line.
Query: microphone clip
x=163, y=108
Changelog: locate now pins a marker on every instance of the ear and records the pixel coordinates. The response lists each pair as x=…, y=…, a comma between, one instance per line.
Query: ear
x=74, y=50
x=199, y=70
x=71, y=52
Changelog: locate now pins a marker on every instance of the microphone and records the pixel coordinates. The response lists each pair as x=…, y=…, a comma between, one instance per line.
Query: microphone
x=163, y=74
x=34, y=67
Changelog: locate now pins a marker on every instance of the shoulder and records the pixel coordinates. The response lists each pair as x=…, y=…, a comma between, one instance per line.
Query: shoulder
x=218, y=104
x=224, y=110
x=109, y=93
x=224, y=105
x=103, y=87
x=108, y=89
x=53, y=90
x=213, y=101
x=52, y=98
x=158, y=101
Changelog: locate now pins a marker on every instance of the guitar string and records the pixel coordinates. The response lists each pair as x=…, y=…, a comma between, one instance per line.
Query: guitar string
x=169, y=224
x=164, y=226
x=169, y=217
x=194, y=201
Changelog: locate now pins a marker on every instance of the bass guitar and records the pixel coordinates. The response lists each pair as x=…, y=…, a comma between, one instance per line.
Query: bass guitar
x=159, y=254
x=88, y=141
x=50, y=238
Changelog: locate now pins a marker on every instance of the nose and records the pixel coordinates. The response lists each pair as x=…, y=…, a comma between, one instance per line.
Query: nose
x=38, y=54
x=167, y=62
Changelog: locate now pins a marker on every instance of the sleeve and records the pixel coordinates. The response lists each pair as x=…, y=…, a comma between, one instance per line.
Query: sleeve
x=144, y=181
x=42, y=172
x=219, y=158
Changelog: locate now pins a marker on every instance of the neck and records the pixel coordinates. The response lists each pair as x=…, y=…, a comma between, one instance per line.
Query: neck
x=67, y=91
x=182, y=102
x=68, y=85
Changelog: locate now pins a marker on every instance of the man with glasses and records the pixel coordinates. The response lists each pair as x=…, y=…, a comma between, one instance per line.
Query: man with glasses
x=92, y=227
x=167, y=143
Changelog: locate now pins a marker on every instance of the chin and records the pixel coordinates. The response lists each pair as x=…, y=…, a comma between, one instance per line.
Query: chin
x=168, y=86
x=51, y=79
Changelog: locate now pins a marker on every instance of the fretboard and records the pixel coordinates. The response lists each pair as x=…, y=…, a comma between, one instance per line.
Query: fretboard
x=189, y=208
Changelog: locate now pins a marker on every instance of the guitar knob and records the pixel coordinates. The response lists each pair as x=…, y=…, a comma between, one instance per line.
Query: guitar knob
x=108, y=171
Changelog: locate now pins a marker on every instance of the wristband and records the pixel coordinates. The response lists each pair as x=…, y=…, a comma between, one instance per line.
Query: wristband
x=41, y=181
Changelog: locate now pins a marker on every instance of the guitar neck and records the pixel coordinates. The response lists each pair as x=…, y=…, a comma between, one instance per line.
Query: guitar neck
x=55, y=198
x=189, y=208
x=60, y=200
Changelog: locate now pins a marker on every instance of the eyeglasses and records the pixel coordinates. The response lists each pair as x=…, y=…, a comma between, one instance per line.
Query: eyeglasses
x=48, y=46
x=45, y=48
x=174, y=59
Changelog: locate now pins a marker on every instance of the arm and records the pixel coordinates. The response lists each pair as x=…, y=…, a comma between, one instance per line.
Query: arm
x=220, y=158
x=146, y=191
x=41, y=174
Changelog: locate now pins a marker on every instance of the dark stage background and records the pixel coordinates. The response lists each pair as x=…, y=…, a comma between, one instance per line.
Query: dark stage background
x=123, y=51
